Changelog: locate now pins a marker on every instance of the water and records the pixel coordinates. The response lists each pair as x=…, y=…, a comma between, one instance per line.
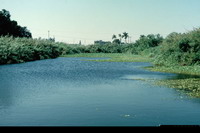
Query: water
x=71, y=92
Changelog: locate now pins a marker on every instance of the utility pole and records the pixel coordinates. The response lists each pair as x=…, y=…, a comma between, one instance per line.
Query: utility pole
x=48, y=34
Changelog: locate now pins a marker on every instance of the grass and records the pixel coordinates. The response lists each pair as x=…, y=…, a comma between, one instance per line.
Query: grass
x=113, y=57
x=190, y=70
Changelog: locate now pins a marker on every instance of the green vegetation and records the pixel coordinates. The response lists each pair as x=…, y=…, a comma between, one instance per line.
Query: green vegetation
x=190, y=70
x=180, y=49
x=113, y=57
x=19, y=50
x=121, y=36
x=189, y=86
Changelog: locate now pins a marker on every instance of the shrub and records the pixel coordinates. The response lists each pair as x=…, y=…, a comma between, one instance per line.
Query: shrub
x=181, y=49
x=18, y=50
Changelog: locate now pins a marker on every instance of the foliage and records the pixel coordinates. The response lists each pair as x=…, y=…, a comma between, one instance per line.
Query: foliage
x=18, y=50
x=11, y=28
x=125, y=36
x=113, y=57
x=107, y=48
x=121, y=36
x=189, y=70
x=180, y=49
x=144, y=43
x=116, y=41
x=148, y=41
x=175, y=50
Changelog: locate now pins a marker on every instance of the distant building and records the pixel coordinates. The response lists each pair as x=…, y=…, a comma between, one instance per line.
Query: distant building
x=102, y=42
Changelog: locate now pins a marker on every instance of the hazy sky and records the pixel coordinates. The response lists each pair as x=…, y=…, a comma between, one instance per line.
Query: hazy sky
x=89, y=20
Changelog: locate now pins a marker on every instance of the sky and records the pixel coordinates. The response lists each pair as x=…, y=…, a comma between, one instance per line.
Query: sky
x=72, y=21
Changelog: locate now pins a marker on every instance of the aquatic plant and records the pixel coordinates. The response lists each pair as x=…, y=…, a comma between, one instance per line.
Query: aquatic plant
x=189, y=86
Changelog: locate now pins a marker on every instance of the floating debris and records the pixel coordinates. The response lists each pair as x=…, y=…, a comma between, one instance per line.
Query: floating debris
x=127, y=116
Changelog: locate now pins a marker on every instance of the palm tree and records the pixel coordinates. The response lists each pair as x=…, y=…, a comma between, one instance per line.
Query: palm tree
x=114, y=37
x=125, y=36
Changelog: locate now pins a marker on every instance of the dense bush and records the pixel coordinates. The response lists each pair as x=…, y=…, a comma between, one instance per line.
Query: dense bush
x=143, y=44
x=106, y=48
x=148, y=41
x=18, y=50
x=180, y=49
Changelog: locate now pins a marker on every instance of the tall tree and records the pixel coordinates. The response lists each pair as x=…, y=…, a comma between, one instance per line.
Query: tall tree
x=11, y=28
x=125, y=36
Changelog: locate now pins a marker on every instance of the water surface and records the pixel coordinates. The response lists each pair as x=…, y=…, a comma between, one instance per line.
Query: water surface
x=72, y=92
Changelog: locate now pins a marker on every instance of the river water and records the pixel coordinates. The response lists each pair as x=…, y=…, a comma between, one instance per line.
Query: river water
x=72, y=92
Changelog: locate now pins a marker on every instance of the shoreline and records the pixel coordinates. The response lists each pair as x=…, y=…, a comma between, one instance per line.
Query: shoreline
x=189, y=86
x=123, y=57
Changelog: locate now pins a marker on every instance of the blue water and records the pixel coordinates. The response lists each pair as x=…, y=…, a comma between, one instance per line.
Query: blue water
x=72, y=92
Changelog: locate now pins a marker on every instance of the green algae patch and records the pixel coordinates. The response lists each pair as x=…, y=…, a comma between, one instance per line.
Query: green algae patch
x=190, y=86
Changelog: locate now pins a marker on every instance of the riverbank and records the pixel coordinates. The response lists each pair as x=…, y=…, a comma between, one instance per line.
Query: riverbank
x=187, y=85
